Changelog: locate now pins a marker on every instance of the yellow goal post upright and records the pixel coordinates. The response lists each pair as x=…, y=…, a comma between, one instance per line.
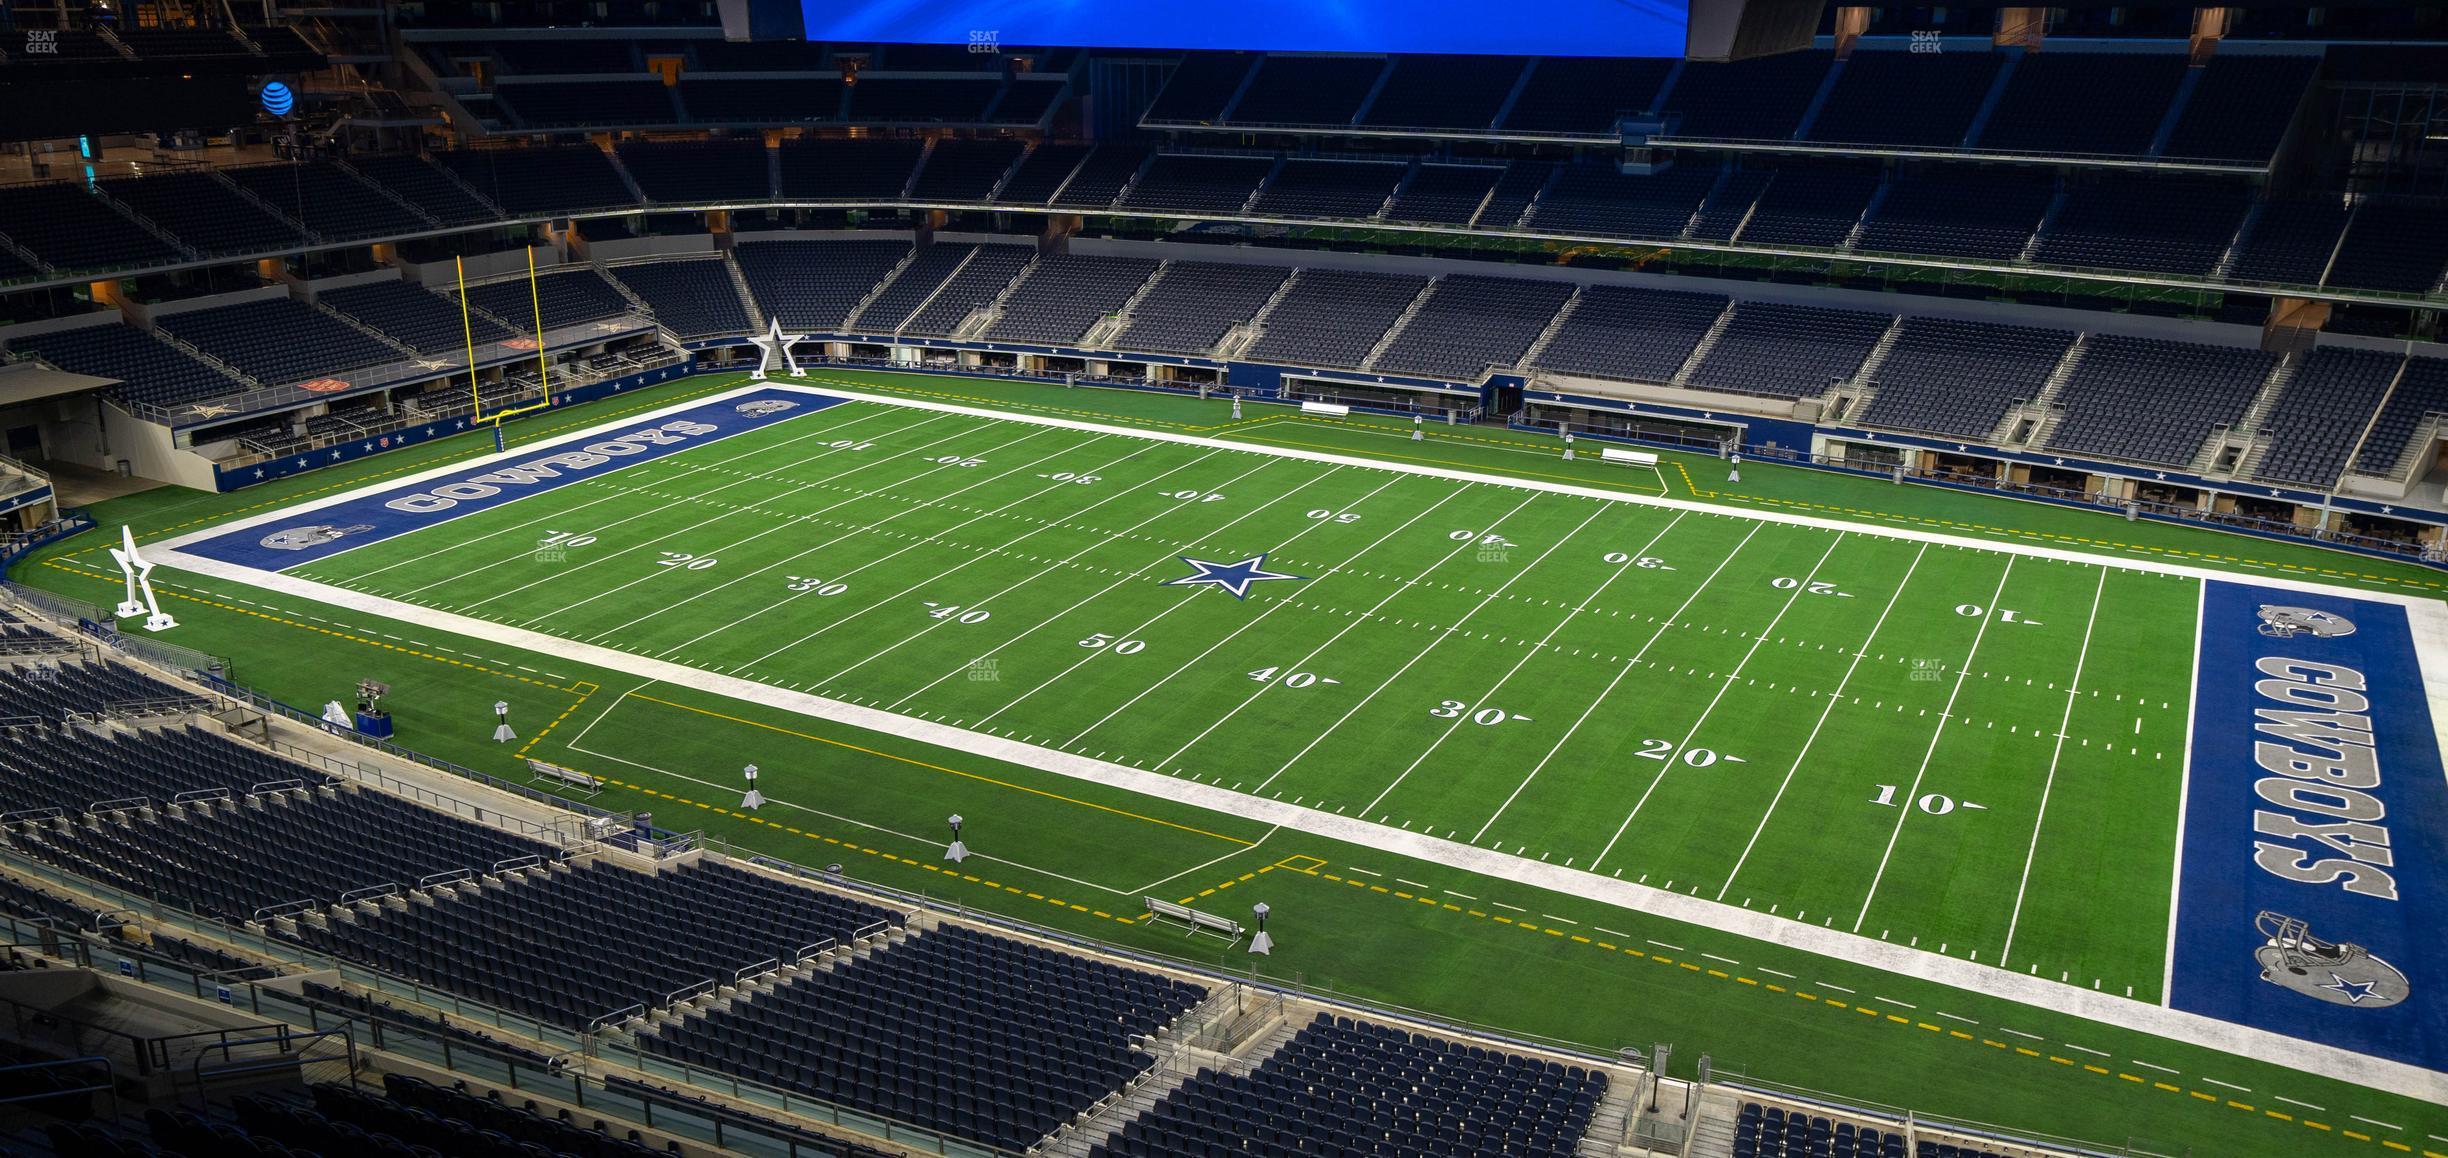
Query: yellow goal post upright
x=467, y=326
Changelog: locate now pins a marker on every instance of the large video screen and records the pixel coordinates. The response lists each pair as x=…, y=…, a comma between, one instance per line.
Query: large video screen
x=1528, y=27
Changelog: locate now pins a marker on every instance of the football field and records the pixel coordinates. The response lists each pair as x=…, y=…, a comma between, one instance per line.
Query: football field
x=1978, y=752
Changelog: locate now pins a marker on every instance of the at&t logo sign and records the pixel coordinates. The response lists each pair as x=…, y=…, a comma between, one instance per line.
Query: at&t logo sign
x=277, y=99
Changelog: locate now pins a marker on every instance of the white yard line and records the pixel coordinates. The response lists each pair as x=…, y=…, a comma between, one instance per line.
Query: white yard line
x=1937, y=735
x=1186, y=595
x=1346, y=629
x=1524, y=661
x=618, y=492
x=1262, y=839
x=2184, y=793
x=1448, y=632
x=662, y=610
x=656, y=509
x=2073, y=689
x=1255, y=620
x=1609, y=690
x=653, y=510
x=1834, y=698
x=1675, y=756
x=978, y=557
x=889, y=556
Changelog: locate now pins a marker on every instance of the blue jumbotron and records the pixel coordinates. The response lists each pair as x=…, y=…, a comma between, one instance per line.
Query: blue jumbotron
x=1541, y=27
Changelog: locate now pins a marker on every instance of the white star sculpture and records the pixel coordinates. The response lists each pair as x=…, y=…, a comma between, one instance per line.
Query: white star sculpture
x=776, y=342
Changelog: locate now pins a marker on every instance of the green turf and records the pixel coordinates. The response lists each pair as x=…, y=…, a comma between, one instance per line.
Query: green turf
x=1603, y=685
x=1073, y=855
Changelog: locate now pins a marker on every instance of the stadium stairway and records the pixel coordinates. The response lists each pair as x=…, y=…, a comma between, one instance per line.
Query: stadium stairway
x=1700, y=350
x=1402, y=322
x=739, y=284
x=1178, y=1059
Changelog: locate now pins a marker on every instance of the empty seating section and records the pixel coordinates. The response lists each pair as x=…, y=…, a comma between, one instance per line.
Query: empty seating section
x=563, y=945
x=771, y=101
x=1198, y=183
x=1342, y=1087
x=1195, y=303
x=209, y=217
x=965, y=171
x=1912, y=99
x=1333, y=317
x=2421, y=392
x=572, y=104
x=230, y=859
x=1944, y=376
x=1064, y=296
x=699, y=172
x=813, y=285
x=822, y=170
x=419, y=319
x=911, y=287
x=1468, y=324
x=2323, y=413
x=1729, y=204
x=68, y=228
x=2240, y=108
x=2172, y=226
x=1514, y=193
x=1101, y=177
x=2393, y=246
x=1307, y=90
x=326, y=199
x=1777, y=350
x=922, y=101
x=543, y=181
x=2153, y=401
x=1026, y=102
x=692, y=299
x=425, y=186
x=2290, y=242
x=1631, y=334
x=1984, y=216
x=1200, y=87
x=150, y=370
x=415, y=1118
x=1773, y=1132
x=54, y=690
x=278, y=341
x=567, y=297
x=1443, y=194
x=1750, y=100
x=2084, y=103
x=1041, y=173
x=1443, y=92
x=970, y=290
x=1342, y=189
x=976, y=1036
x=1583, y=96
x=1809, y=207
x=1593, y=199
x=73, y=769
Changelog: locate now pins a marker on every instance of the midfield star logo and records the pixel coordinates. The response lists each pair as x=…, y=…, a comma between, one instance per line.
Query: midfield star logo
x=1232, y=577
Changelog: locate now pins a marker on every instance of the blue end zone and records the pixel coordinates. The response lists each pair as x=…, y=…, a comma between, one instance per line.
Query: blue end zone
x=2315, y=828
x=328, y=530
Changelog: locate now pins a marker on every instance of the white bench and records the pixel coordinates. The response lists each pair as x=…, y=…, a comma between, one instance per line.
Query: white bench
x=1626, y=457
x=1331, y=409
x=571, y=779
x=1199, y=922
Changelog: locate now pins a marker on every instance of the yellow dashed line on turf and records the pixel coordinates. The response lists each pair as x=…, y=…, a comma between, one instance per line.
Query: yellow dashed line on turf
x=1305, y=867
x=948, y=771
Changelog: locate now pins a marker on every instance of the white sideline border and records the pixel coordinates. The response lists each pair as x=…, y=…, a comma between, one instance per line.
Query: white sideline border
x=2428, y=620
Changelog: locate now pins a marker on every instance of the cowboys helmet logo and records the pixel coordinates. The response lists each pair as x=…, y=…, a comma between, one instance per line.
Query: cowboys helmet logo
x=764, y=406
x=2339, y=974
x=2289, y=622
x=302, y=538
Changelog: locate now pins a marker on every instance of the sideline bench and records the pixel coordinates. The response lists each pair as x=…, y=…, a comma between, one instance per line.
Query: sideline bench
x=1334, y=409
x=1626, y=457
x=1199, y=922
x=577, y=782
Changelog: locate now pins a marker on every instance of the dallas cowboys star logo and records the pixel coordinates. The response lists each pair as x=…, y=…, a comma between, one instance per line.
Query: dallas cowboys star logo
x=2355, y=991
x=1232, y=577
